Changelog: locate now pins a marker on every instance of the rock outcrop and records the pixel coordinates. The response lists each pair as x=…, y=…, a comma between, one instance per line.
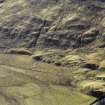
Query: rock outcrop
x=54, y=23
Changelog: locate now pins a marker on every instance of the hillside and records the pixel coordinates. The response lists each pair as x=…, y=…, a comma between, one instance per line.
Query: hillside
x=54, y=23
x=54, y=50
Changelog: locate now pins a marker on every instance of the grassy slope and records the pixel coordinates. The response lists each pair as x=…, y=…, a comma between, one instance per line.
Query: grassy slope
x=17, y=88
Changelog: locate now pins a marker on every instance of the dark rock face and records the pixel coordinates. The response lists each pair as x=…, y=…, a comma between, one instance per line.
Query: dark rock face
x=69, y=24
x=100, y=98
x=102, y=102
x=91, y=66
x=1, y=1
x=99, y=102
x=101, y=0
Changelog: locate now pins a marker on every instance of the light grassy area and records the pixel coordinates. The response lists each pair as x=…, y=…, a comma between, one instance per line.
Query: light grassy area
x=49, y=12
x=22, y=61
x=34, y=94
x=7, y=11
x=47, y=72
x=41, y=71
x=89, y=86
x=22, y=51
x=25, y=87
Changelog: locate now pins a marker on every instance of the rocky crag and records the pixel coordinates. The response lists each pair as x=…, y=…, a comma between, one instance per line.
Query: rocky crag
x=51, y=24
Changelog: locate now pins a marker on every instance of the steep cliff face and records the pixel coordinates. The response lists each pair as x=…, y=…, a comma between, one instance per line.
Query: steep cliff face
x=52, y=23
